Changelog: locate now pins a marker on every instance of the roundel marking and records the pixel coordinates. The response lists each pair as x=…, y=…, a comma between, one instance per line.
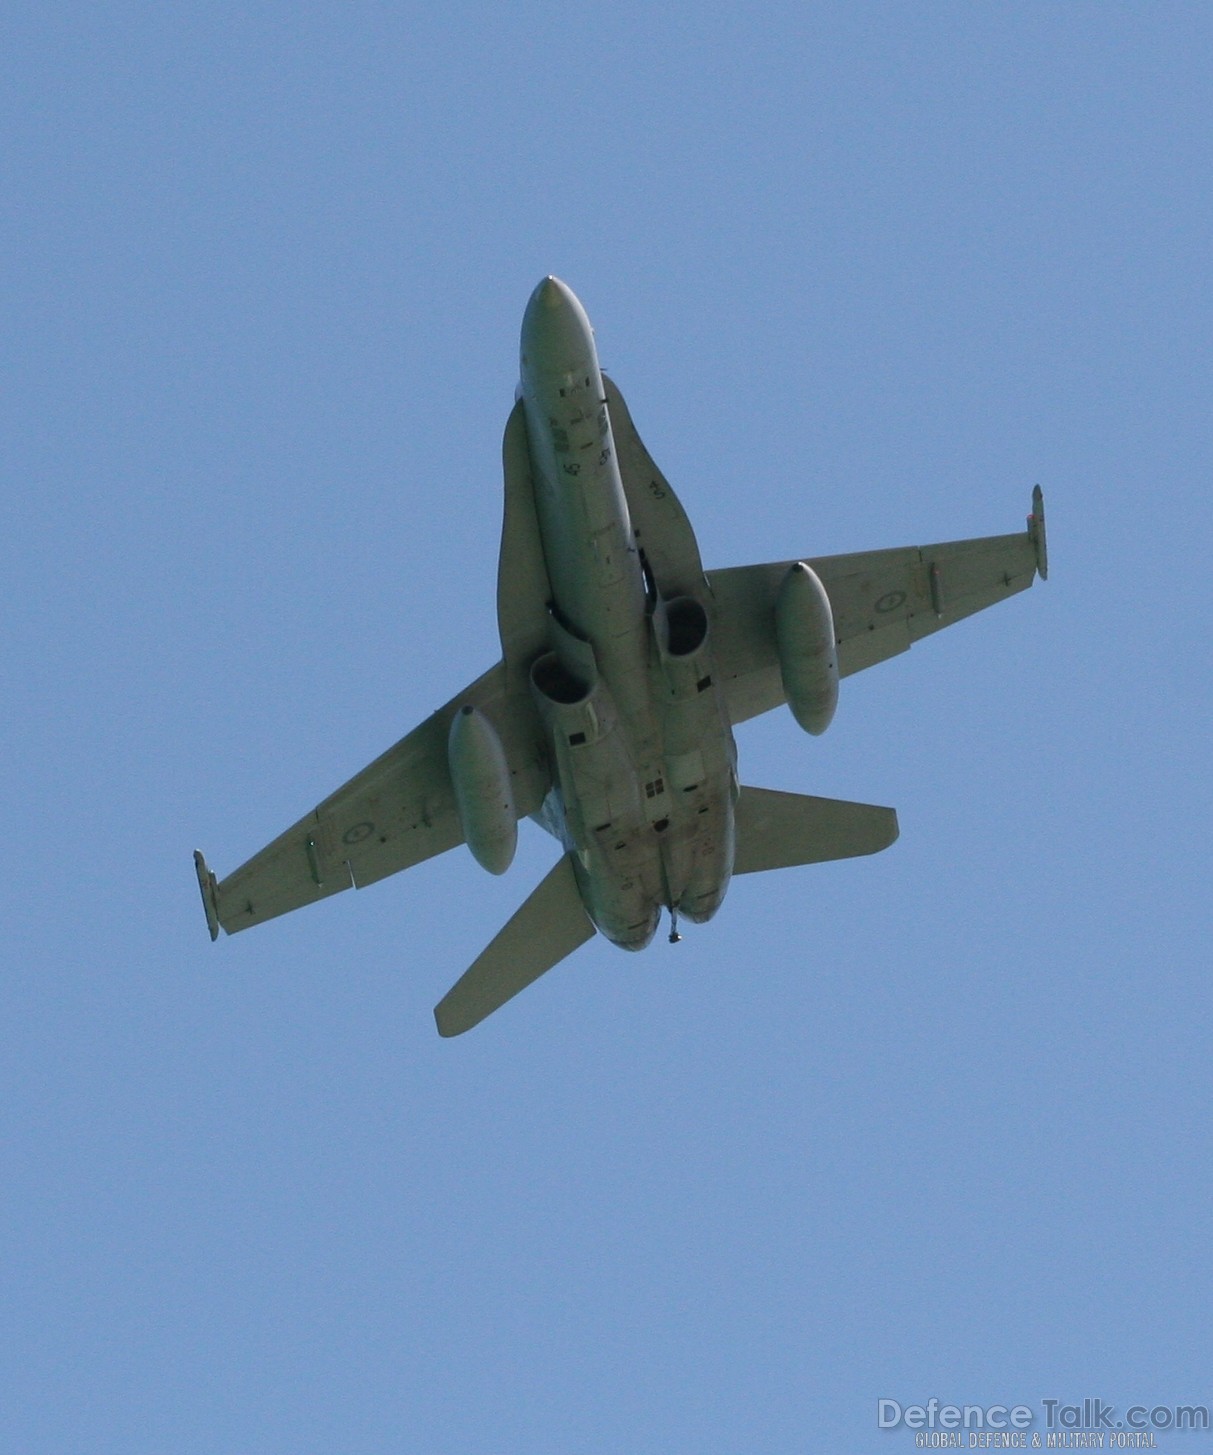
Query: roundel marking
x=890, y=601
x=357, y=833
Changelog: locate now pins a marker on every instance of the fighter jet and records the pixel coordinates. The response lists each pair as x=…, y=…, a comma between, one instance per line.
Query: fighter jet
x=609, y=718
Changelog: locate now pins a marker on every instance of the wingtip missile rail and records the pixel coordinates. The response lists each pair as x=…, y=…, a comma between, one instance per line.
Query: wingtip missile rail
x=1036, y=532
x=210, y=894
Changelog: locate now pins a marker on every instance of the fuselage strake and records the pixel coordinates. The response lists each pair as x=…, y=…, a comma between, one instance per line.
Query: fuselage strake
x=641, y=750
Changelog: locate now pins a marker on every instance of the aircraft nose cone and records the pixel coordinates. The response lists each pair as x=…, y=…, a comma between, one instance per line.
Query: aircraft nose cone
x=551, y=293
x=556, y=334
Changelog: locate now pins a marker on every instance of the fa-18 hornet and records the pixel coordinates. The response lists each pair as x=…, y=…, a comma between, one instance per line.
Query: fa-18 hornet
x=609, y=718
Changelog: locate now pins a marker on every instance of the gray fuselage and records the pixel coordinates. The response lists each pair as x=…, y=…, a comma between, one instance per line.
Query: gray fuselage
x=644, y=765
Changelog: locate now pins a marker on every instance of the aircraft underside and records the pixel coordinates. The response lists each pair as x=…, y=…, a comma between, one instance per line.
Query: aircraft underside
x=609, y=719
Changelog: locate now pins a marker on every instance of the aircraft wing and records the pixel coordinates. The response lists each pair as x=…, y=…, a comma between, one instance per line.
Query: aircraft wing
x=883, y=602
x=395, y=813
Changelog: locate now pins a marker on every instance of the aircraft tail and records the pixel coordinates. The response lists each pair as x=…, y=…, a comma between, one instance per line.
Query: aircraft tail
x=777, y=830
x=549, y=925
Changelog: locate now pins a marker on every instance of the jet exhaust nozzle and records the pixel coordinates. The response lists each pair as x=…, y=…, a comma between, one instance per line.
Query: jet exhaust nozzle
x=681, y=627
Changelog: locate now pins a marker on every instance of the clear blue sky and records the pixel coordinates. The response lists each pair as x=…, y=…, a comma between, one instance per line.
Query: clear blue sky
x=935, y=1123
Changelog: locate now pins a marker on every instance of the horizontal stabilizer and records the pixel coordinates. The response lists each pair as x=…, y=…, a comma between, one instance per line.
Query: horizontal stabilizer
x=777, y=830
x=551, y=924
